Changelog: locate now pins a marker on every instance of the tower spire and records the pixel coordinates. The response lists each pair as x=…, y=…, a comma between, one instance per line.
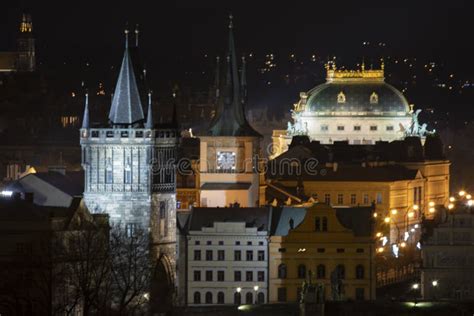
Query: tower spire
x=136, y=35
x=126, y=36
x=149, y=118
x=243, y=81
x=85, y=119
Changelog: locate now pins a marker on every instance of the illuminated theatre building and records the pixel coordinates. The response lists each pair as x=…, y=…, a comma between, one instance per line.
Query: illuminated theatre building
x=354, y=106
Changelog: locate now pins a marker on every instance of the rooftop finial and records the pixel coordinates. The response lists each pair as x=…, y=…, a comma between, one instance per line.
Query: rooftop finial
x=149, y=118
x=136, y=35
x=382, y=64
x=85, y=119
x=126, y=37
x=231, y=23
x=362, y=67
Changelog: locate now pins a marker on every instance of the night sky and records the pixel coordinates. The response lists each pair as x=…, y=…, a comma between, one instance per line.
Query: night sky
x=173, y=37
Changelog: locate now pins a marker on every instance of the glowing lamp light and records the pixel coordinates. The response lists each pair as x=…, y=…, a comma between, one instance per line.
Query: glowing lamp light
x=384, y=240
x=450, y=206
x=375, y=215
x=418, y=245
x=406, y=236
x=416, y=225
x=379, y=234
x=395, y=250
x=403, y=244
x=434, y=283
x=411, y=214
x=394, y=212
x=452, y=199
x=380, y=249
x=255, y=288
x=431, y=204
x=239, y=289
x=462, y=193
x=412, y=230
x=468, y=196
x=386, y=219
x=416, y=207
x=470, y=202
x=6, y=193
x=415, y=286
x=432, y=210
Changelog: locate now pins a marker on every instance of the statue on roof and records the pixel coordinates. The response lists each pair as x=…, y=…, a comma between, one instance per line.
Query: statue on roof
x=415, y=129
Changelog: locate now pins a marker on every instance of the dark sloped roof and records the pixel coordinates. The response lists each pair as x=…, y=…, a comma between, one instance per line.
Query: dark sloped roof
x=252, y=216
x=281, y=217
x=226, y=186
x=71, y=183
x=358, y=219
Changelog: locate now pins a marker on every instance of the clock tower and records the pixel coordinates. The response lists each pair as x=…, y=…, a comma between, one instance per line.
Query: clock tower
x=230, y=151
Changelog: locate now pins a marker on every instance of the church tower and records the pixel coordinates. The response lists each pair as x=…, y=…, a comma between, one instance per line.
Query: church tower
x=26, y=45
x=229, y=164
x=129, y=169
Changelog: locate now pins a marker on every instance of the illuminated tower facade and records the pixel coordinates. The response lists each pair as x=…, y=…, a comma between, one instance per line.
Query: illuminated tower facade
x=26, y=45
x=129, y=169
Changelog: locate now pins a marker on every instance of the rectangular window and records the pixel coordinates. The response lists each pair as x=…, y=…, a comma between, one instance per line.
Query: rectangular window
x=237, y=243
x=209, y=242
x=221, y=243
x=281, y=294
x=357, y=128
x=261, y=276
x=131, y=229
x=197, y=255
x=366, y=199
x=327, y=198
x=340, y=250
x=340, y=199
x=237, y=276
x=208, y=255
x=324, y=128
x=209, y=275
x=340, y=128
x=373, y=128
x=109, y=175
x=260, y=243
x=281, y=249
x=249, y=276
x=220, y=255
x=220, y=276
x=360, y=250
x=249, y=243
x=128, y=176
x=390, y=128
x=197, y=275
x=379, y=198
x=353, y=199
x=261, y=255
x=197, y=242
x=162, y=209
x=321, y=250
x=249, y=255
x=360, y=295
x=237, y=255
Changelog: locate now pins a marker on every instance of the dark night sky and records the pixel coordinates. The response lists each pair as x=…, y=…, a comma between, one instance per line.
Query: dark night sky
x=79, y=31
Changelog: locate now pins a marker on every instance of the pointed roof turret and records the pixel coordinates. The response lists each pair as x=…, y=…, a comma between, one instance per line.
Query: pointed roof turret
x=231, y=120
x=85, y=119
x=126, y=108
x=149, y=115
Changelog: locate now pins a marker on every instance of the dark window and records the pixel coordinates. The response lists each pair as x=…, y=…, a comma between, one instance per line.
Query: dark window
x=249, y=243
x=208, y=298
x=208, y=242
x=237, y=243
x=317, y=224
x=260, y=243
x=282, y=271
x=249, y=255
x=281, y=294
x=321, y=250
x=249, y=276
x=325, y=224
x=237, y=255
x=237, y=298
x=260, y=298
x=360, y=250
x=356, y=128
x=340, y=250
x=197, y=298
x=208, y=255
x=249, y=298
x=281, y=249
x=321, y=271
x=197, y=275
x=341, y=271
x=359, y=271
x=162, y=209
x=221, y=243
x=197, y=242
x=390, y=128
x=237, y=276
x=208, y=275
x=220, y=255
x=373, y=128
x=261, y=276
x=301, y=271
x=340, y=128
x=197, y=255
x=220, y=298
x=360, y=295
x=220, y=276
x=261, y=255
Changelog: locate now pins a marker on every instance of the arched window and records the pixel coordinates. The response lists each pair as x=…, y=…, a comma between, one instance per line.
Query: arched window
x=282, y=271
x=374, y=98
x=359, y=271
x=341, y=97
x=220, y=298
x=208, y=298
x=321, y=271
x=325, y=224
x=301, y=271
x=341, y=271
x=261, y=298
x=249, y=298
x=317, y=224
x=197, y=298
x=237, y=298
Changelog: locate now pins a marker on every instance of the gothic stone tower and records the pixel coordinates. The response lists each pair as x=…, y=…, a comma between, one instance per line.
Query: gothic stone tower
x=229, y=164
x=26, y=45
x=130, y=174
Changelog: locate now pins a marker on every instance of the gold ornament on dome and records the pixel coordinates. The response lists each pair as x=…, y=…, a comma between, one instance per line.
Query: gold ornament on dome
x=341, y=97
x=374, y=98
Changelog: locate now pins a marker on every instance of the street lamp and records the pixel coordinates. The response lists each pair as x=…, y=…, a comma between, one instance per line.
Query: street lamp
x=435, y=283
x=415, y=286
x=255, y=288
x=239, y=289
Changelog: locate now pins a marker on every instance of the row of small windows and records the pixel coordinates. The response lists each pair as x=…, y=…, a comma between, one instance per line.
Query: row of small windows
x=357, y=128
x=221, y=298
x=221, y=243
x=209, y=276
x=249, y=255
x=321, y=271
x=353, y=198
x=282, y=294
x=373, y=99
